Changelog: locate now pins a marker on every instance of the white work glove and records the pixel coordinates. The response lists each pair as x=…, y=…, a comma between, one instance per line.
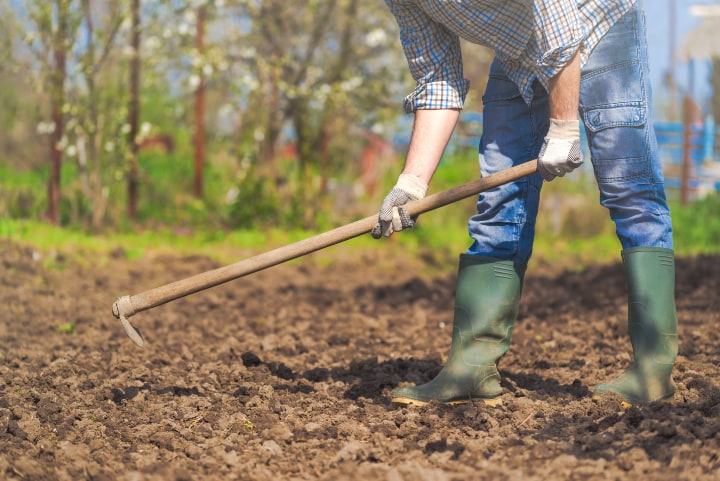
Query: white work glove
x=392, y=217
x=560, y=152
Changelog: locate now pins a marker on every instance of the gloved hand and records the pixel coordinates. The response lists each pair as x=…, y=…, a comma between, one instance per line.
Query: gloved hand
x=560, y=152
x=393, y=217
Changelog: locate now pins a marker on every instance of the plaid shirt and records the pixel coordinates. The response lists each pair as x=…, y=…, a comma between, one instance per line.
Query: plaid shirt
x=533, y=40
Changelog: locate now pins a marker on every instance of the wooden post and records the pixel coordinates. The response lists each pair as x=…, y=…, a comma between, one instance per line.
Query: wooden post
x=686, y=150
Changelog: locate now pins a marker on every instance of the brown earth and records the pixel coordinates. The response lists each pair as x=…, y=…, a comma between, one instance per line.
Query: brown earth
x=286, y=375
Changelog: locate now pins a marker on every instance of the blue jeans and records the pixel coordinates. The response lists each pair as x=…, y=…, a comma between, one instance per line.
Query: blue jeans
x=615, y=100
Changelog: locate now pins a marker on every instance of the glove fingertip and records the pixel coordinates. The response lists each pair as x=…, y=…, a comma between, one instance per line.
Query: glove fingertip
x=409, y=222
x=546, y=175
x=376, y=232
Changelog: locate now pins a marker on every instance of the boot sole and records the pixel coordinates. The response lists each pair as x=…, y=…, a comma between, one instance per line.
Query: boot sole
x=670, y=399
x=404, y=401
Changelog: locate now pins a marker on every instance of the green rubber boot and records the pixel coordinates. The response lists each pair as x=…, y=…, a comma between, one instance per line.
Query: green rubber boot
x=486, y=303
x=652, y=325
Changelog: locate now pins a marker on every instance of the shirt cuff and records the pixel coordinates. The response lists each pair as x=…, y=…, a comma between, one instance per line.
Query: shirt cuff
x=437, y=95
x=554, y=61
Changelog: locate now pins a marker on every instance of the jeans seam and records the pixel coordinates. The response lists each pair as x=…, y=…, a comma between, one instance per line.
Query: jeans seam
x=611, y=105
x=640, y=44
x=609, y=68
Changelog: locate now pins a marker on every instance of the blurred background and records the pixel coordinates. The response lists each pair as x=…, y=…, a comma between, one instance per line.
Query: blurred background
x=230, y=117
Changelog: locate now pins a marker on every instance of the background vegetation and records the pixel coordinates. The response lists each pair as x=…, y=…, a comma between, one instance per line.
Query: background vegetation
x=573, y=230
x=229, y=127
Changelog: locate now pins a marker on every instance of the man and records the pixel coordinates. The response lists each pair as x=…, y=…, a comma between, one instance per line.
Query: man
x=553, y=60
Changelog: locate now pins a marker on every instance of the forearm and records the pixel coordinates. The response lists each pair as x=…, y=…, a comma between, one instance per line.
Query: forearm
x=561, y=152
x=431, y=133
x=565, y=91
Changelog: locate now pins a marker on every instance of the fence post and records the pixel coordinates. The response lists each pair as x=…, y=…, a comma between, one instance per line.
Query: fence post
x=685, y=170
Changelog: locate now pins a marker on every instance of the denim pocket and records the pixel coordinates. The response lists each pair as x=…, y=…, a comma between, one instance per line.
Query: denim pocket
x=615, y=115
x=603, y=117
x=617, y=136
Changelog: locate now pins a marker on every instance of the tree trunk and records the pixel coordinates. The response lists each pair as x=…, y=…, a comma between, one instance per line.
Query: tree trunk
x=58, y=76
x=200, y=109
x=53, y=213
x=94, y=187
x=134, y=112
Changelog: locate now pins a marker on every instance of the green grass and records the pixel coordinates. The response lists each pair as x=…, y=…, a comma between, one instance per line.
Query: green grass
x=222, y=246
x=440, y=236
x=572, y=229
x=696, y=226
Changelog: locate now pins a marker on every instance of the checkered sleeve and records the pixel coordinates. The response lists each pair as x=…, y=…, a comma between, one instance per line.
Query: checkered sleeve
x=559, y=33
x=434, y=58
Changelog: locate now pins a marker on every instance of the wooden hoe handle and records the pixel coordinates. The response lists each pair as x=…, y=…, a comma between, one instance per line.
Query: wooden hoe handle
x=126, y=306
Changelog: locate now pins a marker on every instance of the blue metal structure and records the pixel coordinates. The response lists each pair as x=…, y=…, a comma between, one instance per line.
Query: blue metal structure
x=704, y=149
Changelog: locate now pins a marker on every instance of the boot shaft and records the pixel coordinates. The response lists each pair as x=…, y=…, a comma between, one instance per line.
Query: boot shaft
x=486, y=305
x=652, y=319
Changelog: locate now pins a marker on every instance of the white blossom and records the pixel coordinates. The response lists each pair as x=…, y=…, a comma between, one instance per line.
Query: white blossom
x=351, y=84
x=45, y=128
x=377, y=128
x=126, y=24
x=128, y=51
x=226, y=110
x=249, y=81
x=152, y=43
x=376, y=38
x=248, y=52
x=145, y=128
x=323, y=91
x=194, y=81
x=189, y=16
x=62, y=143
x=231, y=195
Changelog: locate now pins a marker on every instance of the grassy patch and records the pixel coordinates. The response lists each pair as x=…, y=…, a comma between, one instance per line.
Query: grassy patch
x=66, y=328
x=572, y=229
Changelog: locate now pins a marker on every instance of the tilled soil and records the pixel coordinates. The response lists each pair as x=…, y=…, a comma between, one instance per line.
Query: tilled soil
x=286, y=374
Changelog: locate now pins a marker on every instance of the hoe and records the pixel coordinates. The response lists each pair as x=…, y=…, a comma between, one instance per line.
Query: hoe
x=126, y=306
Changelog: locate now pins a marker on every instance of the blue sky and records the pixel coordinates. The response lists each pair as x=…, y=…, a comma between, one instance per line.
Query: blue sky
x=658, y=13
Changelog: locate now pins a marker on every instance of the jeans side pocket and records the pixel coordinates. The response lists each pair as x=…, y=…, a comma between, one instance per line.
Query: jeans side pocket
x=615, y=115
x=617, y=137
